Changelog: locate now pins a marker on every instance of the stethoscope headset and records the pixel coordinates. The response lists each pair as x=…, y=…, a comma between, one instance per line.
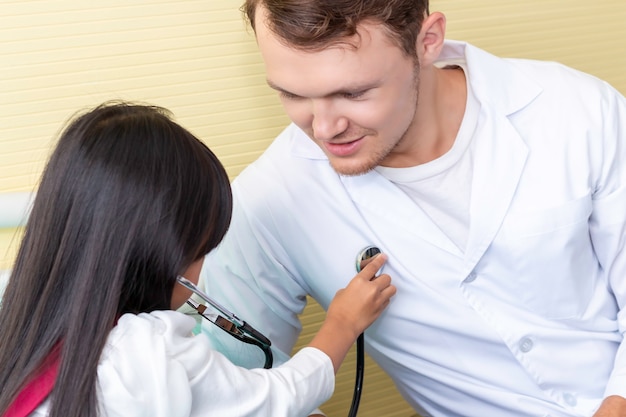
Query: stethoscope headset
x=243, y=332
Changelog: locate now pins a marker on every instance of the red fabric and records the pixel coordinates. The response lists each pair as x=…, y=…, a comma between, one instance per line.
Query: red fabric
x=36, y=391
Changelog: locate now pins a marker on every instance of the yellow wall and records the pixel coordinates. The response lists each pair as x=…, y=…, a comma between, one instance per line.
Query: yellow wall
x=196, y=58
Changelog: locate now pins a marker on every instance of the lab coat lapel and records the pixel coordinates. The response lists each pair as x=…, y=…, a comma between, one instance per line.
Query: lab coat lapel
x=385, y=207
x=500, y=156
x=500, y=152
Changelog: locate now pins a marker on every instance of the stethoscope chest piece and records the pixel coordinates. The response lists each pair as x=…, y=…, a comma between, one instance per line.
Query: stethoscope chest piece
x=365, y=256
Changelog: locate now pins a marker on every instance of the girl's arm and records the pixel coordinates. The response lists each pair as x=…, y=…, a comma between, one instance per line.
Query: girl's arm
x=352, y=310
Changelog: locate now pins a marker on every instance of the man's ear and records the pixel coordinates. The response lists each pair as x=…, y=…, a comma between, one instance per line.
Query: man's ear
x=430, y=39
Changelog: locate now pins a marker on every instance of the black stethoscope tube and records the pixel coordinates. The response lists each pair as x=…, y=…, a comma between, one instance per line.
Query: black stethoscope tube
x=360, y=371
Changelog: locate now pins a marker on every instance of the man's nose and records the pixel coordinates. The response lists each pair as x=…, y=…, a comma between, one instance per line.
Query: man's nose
x=327, y=121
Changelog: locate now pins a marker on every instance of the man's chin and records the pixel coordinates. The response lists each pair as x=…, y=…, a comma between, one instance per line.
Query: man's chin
x=351, y=170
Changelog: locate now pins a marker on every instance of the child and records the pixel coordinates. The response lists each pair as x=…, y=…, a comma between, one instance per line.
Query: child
x=129, y=201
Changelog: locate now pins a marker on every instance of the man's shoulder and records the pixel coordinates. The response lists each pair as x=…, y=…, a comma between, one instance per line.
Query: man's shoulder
x=515, y=81
x=483, y=59
x=484, y=62
x=564, y=85
x=553, y=70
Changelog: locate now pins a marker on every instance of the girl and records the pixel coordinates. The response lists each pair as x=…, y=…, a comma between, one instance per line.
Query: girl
x=129, y=201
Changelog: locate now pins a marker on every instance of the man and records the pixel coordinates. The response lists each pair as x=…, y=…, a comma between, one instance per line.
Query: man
x=496, y=187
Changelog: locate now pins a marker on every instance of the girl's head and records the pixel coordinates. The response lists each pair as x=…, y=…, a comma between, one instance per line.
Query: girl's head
x=128, y=201
x=130, y=192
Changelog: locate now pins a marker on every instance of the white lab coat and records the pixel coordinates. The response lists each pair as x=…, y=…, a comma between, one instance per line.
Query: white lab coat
x=153, y=366
x=529, y=319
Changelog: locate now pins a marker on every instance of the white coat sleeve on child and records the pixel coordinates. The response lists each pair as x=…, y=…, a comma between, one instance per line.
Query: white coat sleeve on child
x=153, y=366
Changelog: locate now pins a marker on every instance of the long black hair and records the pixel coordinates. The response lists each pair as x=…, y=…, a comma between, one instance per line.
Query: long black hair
x=127, y=201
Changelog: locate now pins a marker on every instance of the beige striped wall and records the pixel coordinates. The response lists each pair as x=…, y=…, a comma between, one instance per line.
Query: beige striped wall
x=197, y=58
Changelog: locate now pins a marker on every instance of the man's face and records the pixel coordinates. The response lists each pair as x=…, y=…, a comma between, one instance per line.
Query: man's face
x=357, y=105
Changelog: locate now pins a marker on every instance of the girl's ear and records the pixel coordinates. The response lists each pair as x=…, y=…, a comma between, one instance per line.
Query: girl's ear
x=430, y=39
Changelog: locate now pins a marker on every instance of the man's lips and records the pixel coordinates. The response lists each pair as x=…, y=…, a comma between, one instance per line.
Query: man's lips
x=343, y=149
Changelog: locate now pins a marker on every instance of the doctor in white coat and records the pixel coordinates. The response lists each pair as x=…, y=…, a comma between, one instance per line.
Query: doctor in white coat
x=497, y=188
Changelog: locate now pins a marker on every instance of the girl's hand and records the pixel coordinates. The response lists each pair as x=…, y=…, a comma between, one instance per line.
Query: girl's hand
x=353, y=309
x=363, y=300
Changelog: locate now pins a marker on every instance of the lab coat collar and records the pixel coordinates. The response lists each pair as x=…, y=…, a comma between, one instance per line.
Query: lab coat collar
x=494, y=80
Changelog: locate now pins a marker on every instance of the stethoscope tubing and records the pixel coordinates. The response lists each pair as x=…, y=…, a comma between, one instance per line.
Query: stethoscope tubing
x=360, y=372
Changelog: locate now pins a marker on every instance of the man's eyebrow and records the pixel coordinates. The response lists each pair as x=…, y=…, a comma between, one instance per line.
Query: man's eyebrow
x=344, y=90
x=275, y=87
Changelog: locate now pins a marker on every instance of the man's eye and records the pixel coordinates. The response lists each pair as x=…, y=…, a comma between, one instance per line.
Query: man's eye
x=288, y=96
x=352, y=96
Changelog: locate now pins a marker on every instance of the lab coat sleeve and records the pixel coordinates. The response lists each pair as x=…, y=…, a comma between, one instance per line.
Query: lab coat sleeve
x=153, y=365
x=294, y=388
x=608, y=222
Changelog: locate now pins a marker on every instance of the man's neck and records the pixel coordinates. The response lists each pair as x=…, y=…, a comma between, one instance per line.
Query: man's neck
x=440, y=110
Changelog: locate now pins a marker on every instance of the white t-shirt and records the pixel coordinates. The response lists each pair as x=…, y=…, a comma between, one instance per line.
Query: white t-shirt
x=442, y=188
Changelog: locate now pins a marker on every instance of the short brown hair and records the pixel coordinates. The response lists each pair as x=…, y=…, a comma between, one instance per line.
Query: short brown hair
x=315, y=24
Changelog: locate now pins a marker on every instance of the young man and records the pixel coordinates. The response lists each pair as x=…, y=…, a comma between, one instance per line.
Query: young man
x=496, y=187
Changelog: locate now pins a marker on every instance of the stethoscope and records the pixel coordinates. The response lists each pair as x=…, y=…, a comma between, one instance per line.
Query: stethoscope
x=244, y=332
x=363, y=258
